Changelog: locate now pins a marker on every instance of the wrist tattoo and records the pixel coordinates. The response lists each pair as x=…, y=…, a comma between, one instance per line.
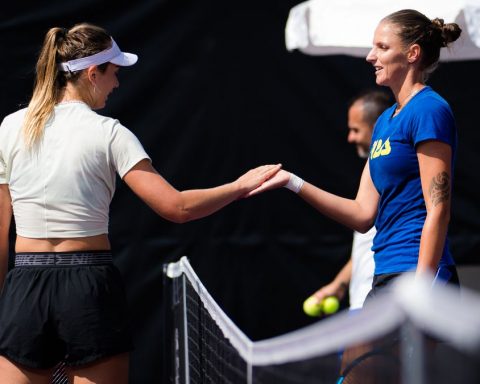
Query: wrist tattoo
x=439, y=190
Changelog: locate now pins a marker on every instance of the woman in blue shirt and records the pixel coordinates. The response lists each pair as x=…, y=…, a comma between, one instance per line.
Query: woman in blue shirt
x=405, y=189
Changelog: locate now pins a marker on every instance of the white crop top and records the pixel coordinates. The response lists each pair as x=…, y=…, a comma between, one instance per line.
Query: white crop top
x=64, y=186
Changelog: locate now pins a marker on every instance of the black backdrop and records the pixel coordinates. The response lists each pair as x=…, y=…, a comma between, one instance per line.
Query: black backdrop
x=214, y=93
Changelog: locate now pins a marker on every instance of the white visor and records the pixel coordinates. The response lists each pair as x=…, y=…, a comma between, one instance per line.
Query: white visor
x=110, y=55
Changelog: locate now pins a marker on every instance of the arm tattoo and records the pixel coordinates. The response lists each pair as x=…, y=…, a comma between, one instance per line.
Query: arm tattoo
x=439, y=190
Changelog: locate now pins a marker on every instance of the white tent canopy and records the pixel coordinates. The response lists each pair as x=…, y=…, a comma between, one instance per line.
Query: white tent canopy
x=327, y=27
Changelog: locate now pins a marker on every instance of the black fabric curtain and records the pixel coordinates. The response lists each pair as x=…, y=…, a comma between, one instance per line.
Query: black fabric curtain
x=213, y=94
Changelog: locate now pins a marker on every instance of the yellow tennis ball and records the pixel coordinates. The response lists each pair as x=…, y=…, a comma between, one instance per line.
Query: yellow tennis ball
x=330, y=305
x=312, y=307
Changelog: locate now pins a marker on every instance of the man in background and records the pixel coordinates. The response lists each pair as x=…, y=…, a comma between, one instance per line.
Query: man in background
x=357, y=274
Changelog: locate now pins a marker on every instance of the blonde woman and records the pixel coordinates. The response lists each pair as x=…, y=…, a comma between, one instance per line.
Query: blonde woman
x=64, y=300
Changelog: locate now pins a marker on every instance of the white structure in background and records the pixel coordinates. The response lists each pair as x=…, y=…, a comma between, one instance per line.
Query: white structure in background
x=326, y=27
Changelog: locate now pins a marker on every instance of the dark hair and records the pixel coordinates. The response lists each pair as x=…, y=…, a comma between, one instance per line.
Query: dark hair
x=59, y=45
x=374, y=102
x=430, y=35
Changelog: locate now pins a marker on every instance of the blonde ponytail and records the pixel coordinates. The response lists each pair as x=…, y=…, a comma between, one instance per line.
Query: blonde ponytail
x=59, y=46
x=46, y=90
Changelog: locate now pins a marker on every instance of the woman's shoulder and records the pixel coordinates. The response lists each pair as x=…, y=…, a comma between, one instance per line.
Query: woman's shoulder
x=14, y=117
x=428, y=104
x=83, y=115
x=429, y=98
x=12, y=125
x=112, y=125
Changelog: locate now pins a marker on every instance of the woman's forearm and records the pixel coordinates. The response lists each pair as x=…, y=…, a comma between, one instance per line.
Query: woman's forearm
x=432, y=241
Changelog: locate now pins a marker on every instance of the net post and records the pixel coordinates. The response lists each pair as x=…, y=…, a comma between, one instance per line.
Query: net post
x=179, y=340
x=185, y=329
x=167, y=324
x=412, y=354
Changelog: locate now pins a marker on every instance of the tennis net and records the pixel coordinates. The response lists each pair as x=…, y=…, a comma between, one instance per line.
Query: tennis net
x=414, y=334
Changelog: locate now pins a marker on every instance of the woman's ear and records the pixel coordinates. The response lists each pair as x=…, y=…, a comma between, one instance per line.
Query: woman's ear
x=413, y=54
x=92, y=73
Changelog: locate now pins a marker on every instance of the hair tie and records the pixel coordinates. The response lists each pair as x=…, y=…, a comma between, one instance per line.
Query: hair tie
x=438, y=23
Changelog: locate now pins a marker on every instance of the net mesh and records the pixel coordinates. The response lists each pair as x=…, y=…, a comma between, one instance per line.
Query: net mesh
x=200, y=343
x=212, y=359
x=414, y=334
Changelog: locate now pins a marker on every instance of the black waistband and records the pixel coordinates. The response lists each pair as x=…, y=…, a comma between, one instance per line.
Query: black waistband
x=62, y=258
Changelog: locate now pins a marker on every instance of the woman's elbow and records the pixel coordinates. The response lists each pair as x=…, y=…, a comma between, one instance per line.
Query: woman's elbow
x=440, y=214
x=446, y=216
x=364, y=223
x=364, y=227
x=181, y=218
x=176, y=215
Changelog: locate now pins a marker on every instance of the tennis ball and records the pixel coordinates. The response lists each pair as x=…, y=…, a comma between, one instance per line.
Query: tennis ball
x=312, y=307
x=330, y=305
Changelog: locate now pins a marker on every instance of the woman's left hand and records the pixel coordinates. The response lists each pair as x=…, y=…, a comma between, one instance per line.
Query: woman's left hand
x=256, y=177
x=280, y=179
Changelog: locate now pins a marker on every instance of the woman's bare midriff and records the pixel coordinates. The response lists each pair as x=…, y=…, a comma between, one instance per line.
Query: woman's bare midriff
x=90, y=243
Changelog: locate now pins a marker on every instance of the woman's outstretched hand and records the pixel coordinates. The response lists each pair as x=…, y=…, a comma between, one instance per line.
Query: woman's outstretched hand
x=277, y=180
x=256, y=177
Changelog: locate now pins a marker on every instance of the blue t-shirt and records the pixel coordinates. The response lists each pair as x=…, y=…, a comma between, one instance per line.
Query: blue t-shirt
x=395, y=173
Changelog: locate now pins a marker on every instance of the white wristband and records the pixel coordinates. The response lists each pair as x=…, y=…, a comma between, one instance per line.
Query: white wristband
x=295, y=183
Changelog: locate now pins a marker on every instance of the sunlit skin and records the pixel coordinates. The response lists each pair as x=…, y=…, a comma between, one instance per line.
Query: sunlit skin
x=93, y=87
x=104, y=84
x=359, y=131
x=396, y=66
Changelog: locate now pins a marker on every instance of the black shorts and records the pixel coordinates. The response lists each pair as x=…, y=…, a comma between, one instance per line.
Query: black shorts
x=383, y=282
x=61, y=306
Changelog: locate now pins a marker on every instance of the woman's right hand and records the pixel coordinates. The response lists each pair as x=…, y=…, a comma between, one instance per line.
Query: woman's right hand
x=280, y=179
x=254, y=178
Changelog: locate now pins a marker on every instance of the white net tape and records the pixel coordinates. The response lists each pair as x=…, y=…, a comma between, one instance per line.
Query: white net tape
x=443, y=312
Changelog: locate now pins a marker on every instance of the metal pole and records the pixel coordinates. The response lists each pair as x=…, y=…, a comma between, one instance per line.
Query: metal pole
x=412, y=354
